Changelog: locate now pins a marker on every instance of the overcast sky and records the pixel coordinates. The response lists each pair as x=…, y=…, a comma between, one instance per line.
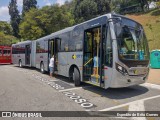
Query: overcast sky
x=4, y=15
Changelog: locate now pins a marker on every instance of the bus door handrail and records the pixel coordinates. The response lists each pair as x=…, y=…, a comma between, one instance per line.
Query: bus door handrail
x=88, y=61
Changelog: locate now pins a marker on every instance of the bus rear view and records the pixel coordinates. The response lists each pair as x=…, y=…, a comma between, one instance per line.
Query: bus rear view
x=131, y=58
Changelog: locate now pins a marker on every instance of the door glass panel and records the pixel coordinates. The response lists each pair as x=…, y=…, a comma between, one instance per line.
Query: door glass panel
x=92, y=54
x=28, y=51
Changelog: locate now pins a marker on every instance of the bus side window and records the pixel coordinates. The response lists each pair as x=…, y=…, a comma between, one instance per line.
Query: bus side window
x=9, y=52
x=109, y=52
x=5, y=52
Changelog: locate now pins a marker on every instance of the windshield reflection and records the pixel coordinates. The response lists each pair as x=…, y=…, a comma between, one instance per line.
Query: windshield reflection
x=132, y=44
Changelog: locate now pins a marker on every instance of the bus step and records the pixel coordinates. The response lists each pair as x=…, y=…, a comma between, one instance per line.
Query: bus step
x=92, y=83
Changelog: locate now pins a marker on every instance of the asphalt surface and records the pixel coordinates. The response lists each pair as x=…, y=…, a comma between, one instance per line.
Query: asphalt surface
x=26, y=89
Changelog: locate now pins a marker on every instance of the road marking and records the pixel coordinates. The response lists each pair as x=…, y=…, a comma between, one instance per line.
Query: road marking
x=66, y=82
x=129, y=103
x=53, y=80
x=154, y=86
x=74, y=88
x=79, y=100
x=137, y=106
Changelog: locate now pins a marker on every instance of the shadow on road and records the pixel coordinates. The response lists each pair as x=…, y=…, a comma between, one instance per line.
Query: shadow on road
x=118, y=93
x=112, y=93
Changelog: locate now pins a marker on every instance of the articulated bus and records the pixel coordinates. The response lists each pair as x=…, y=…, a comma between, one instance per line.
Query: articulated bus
x=5, y=55
x=23, y=53
x=107, y=51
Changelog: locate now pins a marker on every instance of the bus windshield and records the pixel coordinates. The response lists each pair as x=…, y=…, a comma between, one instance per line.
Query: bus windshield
x=132, y=43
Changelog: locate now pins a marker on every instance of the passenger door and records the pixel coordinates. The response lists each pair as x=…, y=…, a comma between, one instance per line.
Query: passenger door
x=27, y=54
x=53, y=50
x=92, y=56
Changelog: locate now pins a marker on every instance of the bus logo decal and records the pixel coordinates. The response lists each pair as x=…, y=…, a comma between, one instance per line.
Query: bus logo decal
x=74, y=56
x=135, y=72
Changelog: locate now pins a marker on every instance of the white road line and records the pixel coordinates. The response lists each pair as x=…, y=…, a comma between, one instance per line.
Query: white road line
x=53, y=80
x=73, y=88
x=122, y=105
x=154, y=86
x=66, y=82
x=137, y=106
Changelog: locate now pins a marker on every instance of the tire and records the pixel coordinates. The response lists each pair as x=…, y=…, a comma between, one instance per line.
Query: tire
x=20, y=63
x=71, y=72
x=76, y=77
x=42, y=68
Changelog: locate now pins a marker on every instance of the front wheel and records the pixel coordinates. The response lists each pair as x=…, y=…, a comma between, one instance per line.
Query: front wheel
x=42, y=68
x=76, y=77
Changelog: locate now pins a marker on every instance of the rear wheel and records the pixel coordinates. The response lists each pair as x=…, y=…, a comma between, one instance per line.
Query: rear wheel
x=76, y=77
x=20, y=63
x=42, y=68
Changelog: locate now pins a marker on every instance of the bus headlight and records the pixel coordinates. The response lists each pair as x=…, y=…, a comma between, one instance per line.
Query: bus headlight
x=121, y=69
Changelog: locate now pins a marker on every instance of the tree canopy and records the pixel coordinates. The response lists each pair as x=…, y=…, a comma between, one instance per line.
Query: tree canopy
x=87, y=9
x=5, y=28
x=15, y=17
x=28, y=4
x=40, y=22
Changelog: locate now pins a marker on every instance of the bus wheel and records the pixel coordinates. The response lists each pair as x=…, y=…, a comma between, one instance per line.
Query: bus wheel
x=20, y=63
x=42, y=68
x=76, y=77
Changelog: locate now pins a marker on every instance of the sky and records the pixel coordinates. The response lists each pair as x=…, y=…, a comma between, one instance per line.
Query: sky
x=4, y=12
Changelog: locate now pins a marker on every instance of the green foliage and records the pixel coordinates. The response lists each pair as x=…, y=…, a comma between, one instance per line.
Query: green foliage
x=5, y=28
x=87, y=9
x=41, y=22
x=29, y=28
x=6, y=39
x=28, y=4
x=129, y=5
x=15, y=17
x=103, y=7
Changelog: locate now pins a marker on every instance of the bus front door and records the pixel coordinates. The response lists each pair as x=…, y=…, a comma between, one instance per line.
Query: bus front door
x=27, y=54
x=91, y=60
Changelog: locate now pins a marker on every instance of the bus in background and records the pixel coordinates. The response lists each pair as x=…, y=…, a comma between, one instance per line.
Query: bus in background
x=23, y=53
x=109, y=51
x=5, y=55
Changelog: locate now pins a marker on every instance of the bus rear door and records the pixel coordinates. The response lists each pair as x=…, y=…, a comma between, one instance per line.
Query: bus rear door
x=53, y=50
x=27, y=54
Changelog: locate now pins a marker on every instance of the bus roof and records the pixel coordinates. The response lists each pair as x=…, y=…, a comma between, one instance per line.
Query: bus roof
x=24, y=42
x=109, y=15
x=68, y=29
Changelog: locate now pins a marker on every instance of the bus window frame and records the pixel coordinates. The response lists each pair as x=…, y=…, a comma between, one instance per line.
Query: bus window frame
x=1, y=52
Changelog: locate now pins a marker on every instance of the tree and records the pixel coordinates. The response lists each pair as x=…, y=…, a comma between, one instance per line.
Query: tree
x=41, y=22
x=6, y=39
x=85, y=10
x=29, y=28
x=5, y=27
x=103, y=7
x=15, y=17
x=144, y=5
x=88, y=9
x=28, y=4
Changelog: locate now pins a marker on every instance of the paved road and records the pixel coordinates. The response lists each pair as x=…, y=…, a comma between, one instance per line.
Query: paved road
x=154, y=76
x=26, y=89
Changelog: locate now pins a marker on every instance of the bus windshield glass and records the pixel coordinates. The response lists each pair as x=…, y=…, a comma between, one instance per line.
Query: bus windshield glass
x=132, y=42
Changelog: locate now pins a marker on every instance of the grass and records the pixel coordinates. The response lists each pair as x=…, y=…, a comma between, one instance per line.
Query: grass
x=151, y=24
